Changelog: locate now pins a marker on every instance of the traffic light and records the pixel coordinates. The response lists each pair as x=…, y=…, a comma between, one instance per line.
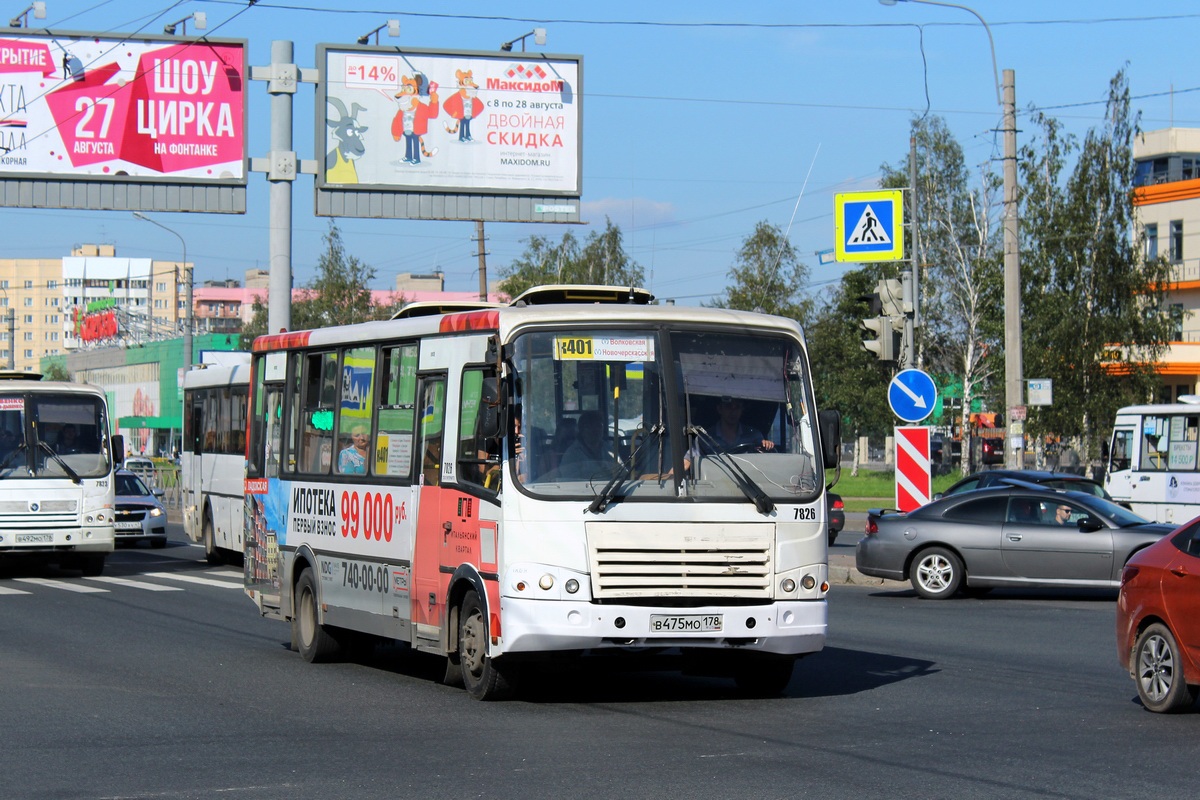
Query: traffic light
x=884, y=343
x=891, y=297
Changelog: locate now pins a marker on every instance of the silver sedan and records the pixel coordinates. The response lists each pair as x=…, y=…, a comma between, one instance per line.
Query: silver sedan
x=1017, y=535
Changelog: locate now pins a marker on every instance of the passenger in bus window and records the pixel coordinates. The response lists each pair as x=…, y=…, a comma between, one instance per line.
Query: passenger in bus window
x=591, y=453
x=353, y=459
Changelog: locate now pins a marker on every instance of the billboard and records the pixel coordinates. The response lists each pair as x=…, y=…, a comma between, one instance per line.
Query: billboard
x=466, y=122
x=103, y=107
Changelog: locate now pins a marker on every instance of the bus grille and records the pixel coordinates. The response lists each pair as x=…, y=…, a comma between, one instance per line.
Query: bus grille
x=678, y=561
x=21, y=514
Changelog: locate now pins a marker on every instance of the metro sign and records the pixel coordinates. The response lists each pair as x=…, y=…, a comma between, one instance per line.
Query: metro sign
x=914, y=482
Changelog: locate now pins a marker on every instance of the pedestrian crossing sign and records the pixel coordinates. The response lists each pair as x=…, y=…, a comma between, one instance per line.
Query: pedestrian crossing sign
x=869, y=226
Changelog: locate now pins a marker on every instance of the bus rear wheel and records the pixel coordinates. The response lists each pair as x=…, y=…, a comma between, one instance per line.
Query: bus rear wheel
x=315, y=643
x=481, y=677
x=212, y=554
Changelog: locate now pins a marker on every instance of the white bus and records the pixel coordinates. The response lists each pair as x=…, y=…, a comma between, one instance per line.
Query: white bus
x=1153, y=464
x=500, y=485
x=213, y=461
x=56, y=472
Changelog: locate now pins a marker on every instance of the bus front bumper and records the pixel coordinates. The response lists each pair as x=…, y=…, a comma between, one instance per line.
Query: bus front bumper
x=784, y=627
x=43, y=540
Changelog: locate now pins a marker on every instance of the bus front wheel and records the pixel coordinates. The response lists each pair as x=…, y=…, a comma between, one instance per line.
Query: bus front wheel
x=92, y=565
x=482, y=678
x=315, y=643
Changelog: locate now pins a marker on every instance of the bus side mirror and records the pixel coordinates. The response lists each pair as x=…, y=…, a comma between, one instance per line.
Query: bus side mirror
x=117, y=443
x=489, y=408
x=830, y=425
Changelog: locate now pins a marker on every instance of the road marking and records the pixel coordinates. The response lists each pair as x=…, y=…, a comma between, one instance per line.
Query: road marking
x=172, y=576
x=150, y=587
x=81, y=588
x=7, y=590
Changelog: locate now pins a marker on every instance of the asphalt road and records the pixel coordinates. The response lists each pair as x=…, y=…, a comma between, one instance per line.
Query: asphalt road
x=183, y=692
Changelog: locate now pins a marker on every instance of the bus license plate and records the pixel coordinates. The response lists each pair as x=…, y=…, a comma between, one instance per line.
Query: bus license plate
x=35, y=538
x=685, y=623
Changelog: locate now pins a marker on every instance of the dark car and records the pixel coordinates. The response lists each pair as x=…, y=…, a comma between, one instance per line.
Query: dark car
x=837, y=515
x=140, y=514
x=991, y=450
x=1009, y=535
x=1158, y=620
x=1054, y=480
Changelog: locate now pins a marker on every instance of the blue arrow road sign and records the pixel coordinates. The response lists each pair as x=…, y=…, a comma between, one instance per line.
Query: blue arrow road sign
x=912, y=395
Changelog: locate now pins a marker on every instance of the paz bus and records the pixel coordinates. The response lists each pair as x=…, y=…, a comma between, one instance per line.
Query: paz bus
x=212, y=463
x=501, y=485
x=1153, y=463
x=56, y=472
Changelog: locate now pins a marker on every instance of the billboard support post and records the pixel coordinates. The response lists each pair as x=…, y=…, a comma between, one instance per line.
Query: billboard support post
x=281, y=166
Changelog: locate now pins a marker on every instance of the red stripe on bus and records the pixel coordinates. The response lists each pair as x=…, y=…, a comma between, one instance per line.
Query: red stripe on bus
x=470, y=321
x=281, y=341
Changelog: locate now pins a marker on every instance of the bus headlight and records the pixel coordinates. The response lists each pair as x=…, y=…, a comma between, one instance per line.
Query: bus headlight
x=808, y=582
x=787, y=586
x=546, y=582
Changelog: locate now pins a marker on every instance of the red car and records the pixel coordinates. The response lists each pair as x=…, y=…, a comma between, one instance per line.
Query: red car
x=1158, y=620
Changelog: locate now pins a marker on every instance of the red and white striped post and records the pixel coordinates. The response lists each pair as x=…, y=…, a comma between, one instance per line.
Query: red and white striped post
x=914, y=482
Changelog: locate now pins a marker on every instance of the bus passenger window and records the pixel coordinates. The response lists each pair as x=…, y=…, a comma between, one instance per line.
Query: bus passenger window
x=393, y=450
x=433, y=415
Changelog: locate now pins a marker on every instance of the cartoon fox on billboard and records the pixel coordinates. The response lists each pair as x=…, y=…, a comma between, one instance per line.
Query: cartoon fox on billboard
x=463, y=105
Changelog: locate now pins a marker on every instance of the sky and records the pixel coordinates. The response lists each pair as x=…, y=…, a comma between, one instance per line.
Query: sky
x=700, y=119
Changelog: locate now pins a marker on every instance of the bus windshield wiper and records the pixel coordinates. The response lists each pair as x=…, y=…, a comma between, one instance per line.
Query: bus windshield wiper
x=72, y=474
x=8, y=458
x=754, y=493
x=624, y=470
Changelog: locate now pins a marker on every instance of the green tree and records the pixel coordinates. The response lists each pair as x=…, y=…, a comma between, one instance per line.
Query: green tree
x=56, y=371
x=339, y=294
x=768, y=276
x=960, y=267
x=1093, y=309
x=601, y=259
x=845, y=376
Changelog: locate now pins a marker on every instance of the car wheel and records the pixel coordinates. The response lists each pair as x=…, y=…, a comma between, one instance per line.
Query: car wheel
x=1159, y=672
x=481, y=677
x=832, y=537
x=158, y=542
x=936, y=573
x=312, y=639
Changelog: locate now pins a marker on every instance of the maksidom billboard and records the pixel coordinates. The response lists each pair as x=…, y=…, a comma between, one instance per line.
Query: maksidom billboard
x=460, y=121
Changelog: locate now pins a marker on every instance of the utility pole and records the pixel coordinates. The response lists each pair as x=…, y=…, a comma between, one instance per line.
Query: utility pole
x=913, y=322
x=1014, y=452
x=483, y=285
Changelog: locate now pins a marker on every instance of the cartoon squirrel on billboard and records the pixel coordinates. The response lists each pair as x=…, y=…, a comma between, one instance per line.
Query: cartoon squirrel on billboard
x=463, y=105
x=412, y=119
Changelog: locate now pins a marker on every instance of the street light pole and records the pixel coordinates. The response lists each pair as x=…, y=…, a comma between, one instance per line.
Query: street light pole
x=187, y=274
x=1006, y=96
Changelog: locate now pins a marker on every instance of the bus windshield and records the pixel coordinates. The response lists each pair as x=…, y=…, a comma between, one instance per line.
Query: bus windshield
x=53, y=435
x=657, y=414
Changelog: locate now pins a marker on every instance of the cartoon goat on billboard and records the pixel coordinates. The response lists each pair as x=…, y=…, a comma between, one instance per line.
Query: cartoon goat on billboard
x=347, y=132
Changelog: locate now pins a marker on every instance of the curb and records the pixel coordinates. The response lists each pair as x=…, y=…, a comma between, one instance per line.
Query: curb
x=842, y=571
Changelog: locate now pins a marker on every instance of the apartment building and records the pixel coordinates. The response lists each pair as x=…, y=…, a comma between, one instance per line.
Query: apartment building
x=1167, y=208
